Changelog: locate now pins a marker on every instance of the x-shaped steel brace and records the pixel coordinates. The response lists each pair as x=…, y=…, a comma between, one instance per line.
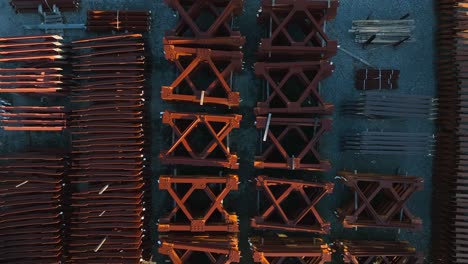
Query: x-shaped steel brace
x=321, y=69
x=294, y=160
x=199, y=223
x=198, y=58
x=264, y=183
x=201, y=159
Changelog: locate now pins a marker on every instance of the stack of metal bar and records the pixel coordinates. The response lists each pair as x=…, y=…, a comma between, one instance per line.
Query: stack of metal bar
x=31, y=48
x=118, y=21
x=379, y=200
x=31, y=219
x=383, y=31
x=376, y=79
x=31, y=6
x=390, y=105
x=107, y=157
x=389, y=143
x=32, y=80
x=379, y=252
x=32, y=118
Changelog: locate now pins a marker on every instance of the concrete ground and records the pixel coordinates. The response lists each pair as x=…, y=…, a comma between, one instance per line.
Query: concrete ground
x=415, y=60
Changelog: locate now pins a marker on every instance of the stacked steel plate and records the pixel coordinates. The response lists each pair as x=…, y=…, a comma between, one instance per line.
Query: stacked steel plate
x=31, y=219
x=32, y=118
x=24, y=6
x=118, y=21
x=107, y=140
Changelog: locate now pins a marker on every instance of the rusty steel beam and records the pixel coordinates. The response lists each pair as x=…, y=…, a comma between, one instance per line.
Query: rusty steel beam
x=309, y=17
x=200, y=217
x=278, y=151
x=193, y=146
x=191, y=65
x=357, y=252
x=182, y=248
x=269, y=250
x=298, y=214
x=30, y=216
x=32, y=80
x=31, y=48
x=380, y=201
x=294, y=87
x=118, y=21
x=33, y=118
x=26, y=6
x=189, y=32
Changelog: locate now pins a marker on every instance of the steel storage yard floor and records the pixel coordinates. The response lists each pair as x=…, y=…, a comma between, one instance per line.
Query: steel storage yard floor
x=415, y=60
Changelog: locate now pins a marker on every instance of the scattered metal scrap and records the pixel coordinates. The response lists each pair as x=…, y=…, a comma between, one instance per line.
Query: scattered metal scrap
x=377, y=79
x=380, y=200
x=189, y=193
x=118, y=21
x=290, y=205
x=390, y=105
x=357, y=252
x=32, y=118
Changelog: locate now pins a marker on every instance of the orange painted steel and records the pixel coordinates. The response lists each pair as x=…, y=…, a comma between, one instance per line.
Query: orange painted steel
x=31, y=48
x=191, y=62
x=118, y=20
x=381, y=200
x=294, y=87
x=33, y=118
x=108, y=141
x=200, y=217
x=310, y=16
x=183, y=149
x=357, y=252
x=188, y=32
x=277, y=153
x=298, y=214
x=31, y=80
x=295, y=249
x=182, y=248
x=30, y=216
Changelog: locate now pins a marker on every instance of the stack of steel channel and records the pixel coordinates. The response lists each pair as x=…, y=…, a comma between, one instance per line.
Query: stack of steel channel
x=31, y=217
x=107, y=158
x=31, y=6
x=33, y=118
x=118, y=21
x=449, y=241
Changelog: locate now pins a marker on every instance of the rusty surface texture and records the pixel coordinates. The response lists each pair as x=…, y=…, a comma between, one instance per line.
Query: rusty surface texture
x=215, y=32
x=294, y=87
x=32, y=80
x=31, y=6
x=118, y=21
x=373, y=79
x=32, y=118
x=296, y=28
x=205, y=75
x=30, y=207
x=293, y=249
x=31, y=48
x=106, y=123
x=357, y=252
x=187, y=248
x=380, y=201
x=290, y=205
x=278, y=149
x=192, y=211
x=191, y=129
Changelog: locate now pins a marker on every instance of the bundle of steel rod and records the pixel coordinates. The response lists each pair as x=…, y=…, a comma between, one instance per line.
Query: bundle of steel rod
x=449, y=198
x=31, y=217
x=24, y=6
x=118, y=21
x=32, y=80
x=389, y=143
x=292, y=249
x=376, y=79
x=187, y=248
x=379, y=200
x=27, y=49
x=383, y=31
x=296, y=28
x=215, y=32
x=290, y=205
x=374, y=104
x=357, y=252
x=32, y=118
x=198, y=204
x=107, y=157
